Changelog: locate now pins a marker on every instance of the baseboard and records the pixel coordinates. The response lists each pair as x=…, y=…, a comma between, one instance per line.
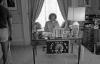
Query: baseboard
x=18, y=43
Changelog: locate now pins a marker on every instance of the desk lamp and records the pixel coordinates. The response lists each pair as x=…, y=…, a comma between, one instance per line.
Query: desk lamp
x=76, y=14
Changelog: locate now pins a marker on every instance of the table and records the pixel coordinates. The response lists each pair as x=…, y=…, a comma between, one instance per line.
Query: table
x=35, y=43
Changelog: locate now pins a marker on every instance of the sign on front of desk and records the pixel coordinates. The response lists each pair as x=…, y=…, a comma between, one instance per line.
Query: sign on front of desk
x=57, y=47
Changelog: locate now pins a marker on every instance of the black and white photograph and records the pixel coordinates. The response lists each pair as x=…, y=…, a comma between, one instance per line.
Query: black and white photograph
x=49, y=31
x=11, y=4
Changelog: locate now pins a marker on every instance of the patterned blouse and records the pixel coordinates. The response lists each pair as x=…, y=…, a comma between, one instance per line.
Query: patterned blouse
x=50, y=25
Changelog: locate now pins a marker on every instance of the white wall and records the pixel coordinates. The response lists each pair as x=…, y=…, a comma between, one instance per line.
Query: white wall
x=17, y=25
x=92, y=9
x=20, y=24
x=74, y=3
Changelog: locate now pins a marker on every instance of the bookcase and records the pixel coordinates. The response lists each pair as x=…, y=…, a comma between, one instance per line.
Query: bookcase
x=88, y=33
x=91, y=36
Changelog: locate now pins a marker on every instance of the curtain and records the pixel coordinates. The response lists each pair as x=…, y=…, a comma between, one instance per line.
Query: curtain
x=63, y=5
x=35, y=7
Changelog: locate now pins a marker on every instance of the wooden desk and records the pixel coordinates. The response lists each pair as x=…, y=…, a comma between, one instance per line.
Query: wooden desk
x=35, y=43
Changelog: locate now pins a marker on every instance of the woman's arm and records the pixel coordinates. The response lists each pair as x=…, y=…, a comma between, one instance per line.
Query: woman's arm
x=10, y=28
x=46, y=27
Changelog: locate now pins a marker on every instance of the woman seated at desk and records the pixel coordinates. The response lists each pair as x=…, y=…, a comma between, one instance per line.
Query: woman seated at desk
x=52, y=23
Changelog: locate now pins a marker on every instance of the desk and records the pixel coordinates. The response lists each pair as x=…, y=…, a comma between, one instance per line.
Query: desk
x=35, y=43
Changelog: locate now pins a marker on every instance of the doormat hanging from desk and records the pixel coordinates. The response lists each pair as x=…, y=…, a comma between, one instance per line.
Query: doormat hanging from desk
x=57, y=47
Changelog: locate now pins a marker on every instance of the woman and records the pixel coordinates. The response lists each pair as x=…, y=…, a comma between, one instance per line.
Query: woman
x=52, y=23
x=5, y=33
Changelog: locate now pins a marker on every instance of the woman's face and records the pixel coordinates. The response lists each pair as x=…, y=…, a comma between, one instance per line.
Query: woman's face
x=53, y=17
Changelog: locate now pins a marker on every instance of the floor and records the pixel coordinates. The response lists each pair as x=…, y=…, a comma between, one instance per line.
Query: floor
x=23, y=55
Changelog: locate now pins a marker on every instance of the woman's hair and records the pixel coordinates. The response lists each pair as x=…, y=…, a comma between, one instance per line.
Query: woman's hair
x=1, y=1
x=52, y=14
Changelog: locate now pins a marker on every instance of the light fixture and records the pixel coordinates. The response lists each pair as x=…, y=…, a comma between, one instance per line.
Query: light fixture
x=76, y=14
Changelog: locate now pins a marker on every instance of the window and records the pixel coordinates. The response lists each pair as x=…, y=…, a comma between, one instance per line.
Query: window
x=49, y=6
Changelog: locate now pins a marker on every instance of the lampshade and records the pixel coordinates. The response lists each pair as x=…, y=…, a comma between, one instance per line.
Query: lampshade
x=76, y=13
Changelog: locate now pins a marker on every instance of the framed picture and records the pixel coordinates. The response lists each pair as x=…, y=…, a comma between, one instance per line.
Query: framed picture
x=87, y=3
x=11, y=4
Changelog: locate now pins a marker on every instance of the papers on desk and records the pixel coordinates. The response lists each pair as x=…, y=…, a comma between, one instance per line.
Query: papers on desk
x=46, y=33
x=40, y=30
x=60, y=32
x=57, y=32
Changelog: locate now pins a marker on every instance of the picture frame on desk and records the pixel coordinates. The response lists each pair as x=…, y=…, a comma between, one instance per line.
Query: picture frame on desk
x=87, y=3
x=11, y=4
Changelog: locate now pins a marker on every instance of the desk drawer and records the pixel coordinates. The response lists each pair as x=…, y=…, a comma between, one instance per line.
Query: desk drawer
x=56, y=47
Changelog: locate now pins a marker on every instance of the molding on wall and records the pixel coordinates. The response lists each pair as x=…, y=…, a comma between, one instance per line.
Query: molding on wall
x=17, y=43
x=17, y=19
